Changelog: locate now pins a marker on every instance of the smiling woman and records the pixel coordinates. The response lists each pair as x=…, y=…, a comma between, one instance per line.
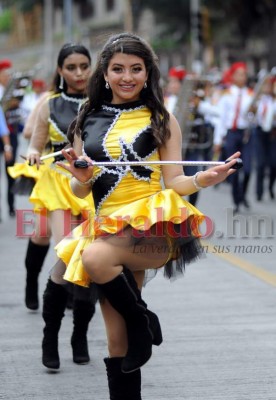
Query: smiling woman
x=137, y=226
x=126, y=76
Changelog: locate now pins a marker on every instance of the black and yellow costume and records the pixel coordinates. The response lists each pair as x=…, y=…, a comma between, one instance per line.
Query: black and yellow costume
x=127, y=195
x=52, y=189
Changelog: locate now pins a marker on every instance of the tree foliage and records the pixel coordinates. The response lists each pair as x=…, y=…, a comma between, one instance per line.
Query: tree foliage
x=22, y=5
x=249, y=17
x=5, y=21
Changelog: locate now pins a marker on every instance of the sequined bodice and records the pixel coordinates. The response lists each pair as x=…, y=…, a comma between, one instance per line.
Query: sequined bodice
x=121, y=133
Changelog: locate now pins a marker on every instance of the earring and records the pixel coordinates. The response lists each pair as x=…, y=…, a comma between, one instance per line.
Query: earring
x=107, y=85
x=61, y=83
x=145, y=85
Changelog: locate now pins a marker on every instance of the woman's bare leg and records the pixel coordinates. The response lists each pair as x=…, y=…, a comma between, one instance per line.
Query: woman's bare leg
x=105, y=257
x=59, y=224
x=42, y=233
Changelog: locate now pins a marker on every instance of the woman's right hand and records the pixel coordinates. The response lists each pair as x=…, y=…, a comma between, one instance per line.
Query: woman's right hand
x=81, y=174
x=34, y=159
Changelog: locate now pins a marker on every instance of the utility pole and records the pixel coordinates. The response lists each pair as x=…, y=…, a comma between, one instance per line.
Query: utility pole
x=48, y=37
x=67, y=5
x=128, y=25
x=196, y=47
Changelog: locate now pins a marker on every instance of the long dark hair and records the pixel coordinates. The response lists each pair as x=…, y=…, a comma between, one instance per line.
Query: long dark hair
x=152, y=96
x=66, y=50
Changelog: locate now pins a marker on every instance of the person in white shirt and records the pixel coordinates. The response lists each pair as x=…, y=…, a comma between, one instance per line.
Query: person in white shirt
x=31, y=97
x=233, y=127
x=265, y=141
x=172, y=90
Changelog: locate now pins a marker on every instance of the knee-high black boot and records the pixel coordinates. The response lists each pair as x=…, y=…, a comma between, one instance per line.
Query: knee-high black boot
x=143, y=328
x=54, y=303
x=83, y=312
x=122, y=386
x=35, y=257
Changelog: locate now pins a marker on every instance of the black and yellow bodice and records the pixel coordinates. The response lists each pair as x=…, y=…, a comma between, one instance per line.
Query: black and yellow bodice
x=63, y=109
x=126, y=195
x=121, y=133
x=52, y=190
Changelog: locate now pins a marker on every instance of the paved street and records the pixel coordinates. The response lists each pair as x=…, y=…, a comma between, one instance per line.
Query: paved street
x=219, y=320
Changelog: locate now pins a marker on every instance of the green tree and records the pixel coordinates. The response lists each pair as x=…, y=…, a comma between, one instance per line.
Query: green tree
x=5, y=21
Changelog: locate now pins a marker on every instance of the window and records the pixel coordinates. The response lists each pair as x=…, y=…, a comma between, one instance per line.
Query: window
x=110, y=5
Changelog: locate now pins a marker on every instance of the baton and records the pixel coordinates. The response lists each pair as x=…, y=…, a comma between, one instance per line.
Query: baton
x=85, y=164
x=56, y=153
x=50, y=155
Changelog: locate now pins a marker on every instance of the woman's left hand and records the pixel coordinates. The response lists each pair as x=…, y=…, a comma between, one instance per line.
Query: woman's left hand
x=82, y=175
x=218, y=174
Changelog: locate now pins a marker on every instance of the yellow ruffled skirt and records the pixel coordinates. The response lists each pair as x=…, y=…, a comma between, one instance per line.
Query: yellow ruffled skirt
x=24, y=169
x=163, y=206
x=52, y=191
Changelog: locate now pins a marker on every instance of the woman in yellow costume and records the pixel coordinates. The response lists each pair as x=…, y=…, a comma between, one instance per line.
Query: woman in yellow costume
x=138, y=225
x=52, y=196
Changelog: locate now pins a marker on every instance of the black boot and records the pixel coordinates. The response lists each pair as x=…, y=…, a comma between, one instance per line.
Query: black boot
x=157, y=339
x=143, y=328
x=83, y=312
x=54, y=303
x=35, y=257
x=122, y=386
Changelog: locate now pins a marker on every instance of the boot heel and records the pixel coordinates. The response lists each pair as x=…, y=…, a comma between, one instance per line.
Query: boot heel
x=50, y=356
x=155, y=328
x=80, y=350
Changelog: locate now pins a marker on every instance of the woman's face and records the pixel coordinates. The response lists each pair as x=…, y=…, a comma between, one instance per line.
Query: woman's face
x=126, y=75
x=76, y=70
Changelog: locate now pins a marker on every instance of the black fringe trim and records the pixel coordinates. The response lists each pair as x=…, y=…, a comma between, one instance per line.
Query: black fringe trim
x=188, y=250
x=23, y=186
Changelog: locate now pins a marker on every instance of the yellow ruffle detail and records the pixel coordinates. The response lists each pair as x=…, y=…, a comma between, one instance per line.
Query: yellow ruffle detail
x=53, y=192
x=165, y=205
x=24, y=169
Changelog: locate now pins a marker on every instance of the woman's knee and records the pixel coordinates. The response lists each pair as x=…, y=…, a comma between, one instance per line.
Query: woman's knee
x=41, y=240
x=96, y=259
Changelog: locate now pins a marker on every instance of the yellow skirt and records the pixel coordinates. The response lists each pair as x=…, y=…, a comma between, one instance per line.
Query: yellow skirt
x=52, y=191
x=24, y=169
x=163, y=206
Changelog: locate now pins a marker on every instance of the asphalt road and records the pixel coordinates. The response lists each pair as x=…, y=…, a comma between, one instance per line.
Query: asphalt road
x=218, y=321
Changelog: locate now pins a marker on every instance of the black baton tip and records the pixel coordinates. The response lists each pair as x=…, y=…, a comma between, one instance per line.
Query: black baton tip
x=81, y=164
x=238, y=165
